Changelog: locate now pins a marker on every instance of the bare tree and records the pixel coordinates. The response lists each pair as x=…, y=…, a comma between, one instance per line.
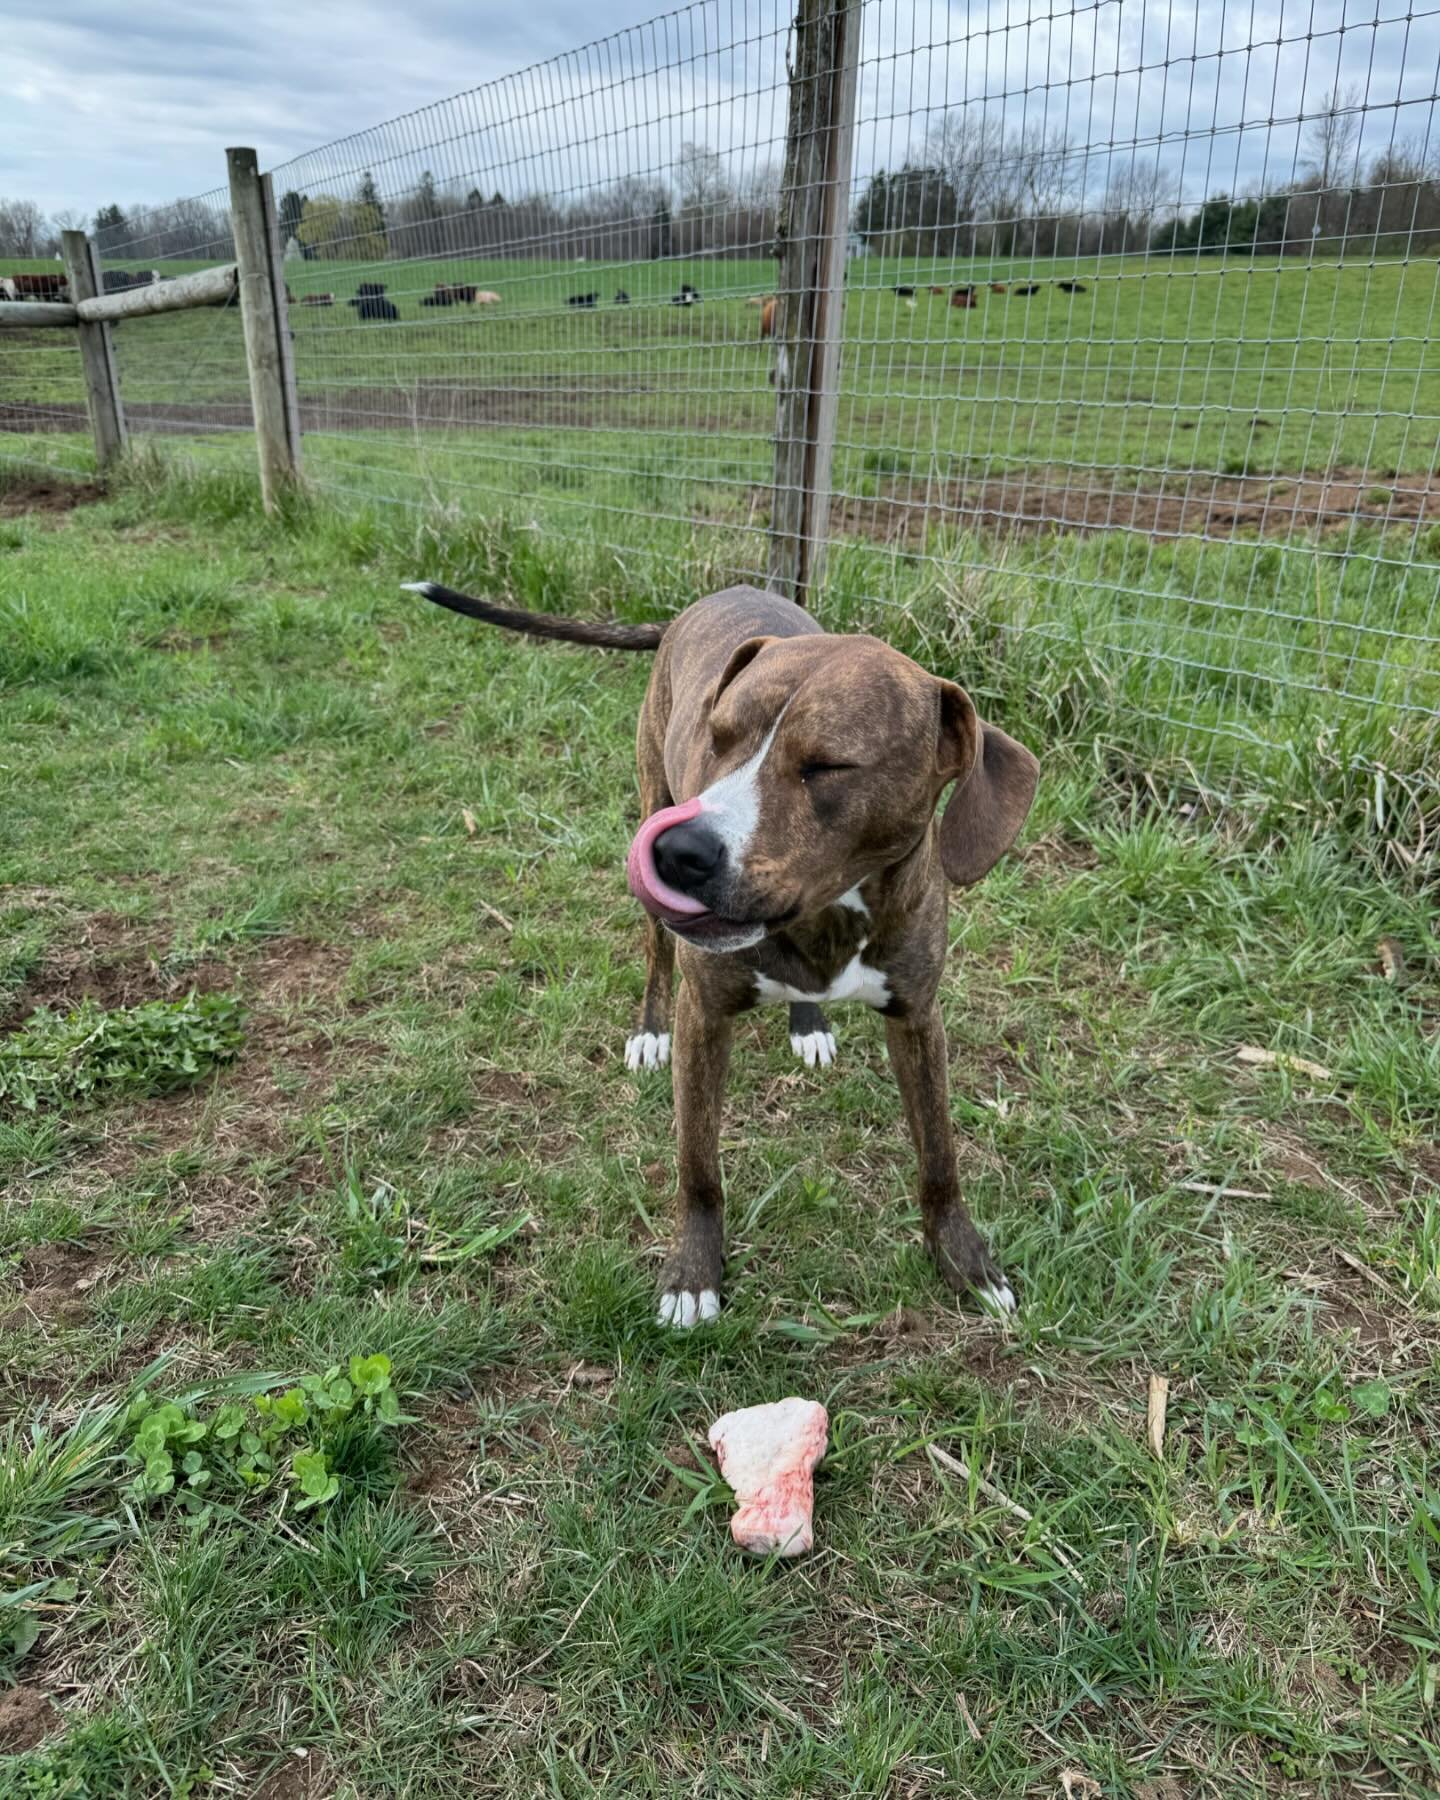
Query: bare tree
x=964, y=148
x=700, y=179
x=1130, y=203
x=22, y=228
x=1332, y=138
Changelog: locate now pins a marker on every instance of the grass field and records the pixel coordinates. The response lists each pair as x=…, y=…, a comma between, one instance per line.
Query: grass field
x=1160, y=367
x=237, y=760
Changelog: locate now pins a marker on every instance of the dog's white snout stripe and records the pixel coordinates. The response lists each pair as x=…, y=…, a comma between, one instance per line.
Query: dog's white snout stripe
x=731, y=805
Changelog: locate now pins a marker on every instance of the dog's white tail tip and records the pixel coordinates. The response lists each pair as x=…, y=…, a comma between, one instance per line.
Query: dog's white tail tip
x=427, y=588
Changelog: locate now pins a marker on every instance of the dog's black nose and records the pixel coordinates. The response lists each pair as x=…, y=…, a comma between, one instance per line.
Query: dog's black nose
x=686, y=856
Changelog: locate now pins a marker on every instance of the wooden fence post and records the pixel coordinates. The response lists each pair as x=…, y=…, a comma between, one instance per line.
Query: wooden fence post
x=266, y=324
x=811, y=244
x=97, y=353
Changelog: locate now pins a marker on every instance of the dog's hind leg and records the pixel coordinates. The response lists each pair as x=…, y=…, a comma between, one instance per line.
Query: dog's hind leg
x=811, y=1038
x=649, y=1045
x=917, y=1055
x=690, y=1280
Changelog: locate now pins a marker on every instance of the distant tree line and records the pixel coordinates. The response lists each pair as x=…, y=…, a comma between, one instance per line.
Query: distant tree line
x=977, y=187
x=973, y=186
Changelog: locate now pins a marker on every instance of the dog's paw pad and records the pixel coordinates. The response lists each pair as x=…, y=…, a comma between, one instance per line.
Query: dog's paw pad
x=998, y=1297
x=684, y=1309
x=647, y=1050
x=816, y=1049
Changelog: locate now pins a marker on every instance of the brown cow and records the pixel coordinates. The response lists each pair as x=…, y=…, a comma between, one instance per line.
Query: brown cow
x=963, y=297
x=767, y=319
x=317, y=299
x=50, y=286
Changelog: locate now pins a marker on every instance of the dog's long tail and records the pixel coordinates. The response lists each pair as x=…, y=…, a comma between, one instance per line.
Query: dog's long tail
x=606, y=636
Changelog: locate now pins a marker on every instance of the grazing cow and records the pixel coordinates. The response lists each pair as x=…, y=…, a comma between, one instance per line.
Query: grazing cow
x=621, y=297
x=905, y=293
x=1024, y=293
x=441, y=297
x=371, y=301
x=317, y=299
x=583, y=300
x=998, y=287
x=963, y=297
x=121, y=281
x=51, y=286
x=938, y=290
x=688, y=296
x=1072, y=287
x=483, y=297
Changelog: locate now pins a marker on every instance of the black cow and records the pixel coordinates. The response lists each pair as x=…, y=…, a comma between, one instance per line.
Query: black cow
x=371, y=301
x=583, y=300
x=1072, y=287
x=621, y=297
x=688, y=296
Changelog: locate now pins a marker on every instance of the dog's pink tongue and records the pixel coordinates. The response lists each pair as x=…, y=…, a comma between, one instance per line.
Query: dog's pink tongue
x=655, y=895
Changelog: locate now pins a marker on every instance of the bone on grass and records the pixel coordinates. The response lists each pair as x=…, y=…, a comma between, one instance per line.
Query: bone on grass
x=768, y=1455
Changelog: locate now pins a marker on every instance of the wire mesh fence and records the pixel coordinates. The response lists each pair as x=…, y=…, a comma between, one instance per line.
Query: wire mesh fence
x=1137, y=383
x=183, y=376
x=533, y=296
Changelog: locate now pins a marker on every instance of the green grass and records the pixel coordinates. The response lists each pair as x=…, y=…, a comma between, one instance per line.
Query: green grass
x=238, y=758
x=1161, y=366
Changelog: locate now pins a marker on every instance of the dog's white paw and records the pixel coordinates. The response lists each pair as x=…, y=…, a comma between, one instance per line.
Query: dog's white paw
x=647, y=1050
x=685, y=1309
x=816, y=1049
x=998, y=1297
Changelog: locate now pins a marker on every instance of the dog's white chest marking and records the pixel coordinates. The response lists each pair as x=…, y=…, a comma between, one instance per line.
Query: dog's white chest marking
x=856, y=981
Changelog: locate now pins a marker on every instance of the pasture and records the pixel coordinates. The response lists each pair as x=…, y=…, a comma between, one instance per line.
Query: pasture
x=1163, y=370
x=238, y=761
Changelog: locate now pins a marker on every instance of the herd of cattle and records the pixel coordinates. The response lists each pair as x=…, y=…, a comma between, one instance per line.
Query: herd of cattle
x=373, y=303
x=53, y=285
x=967, y=297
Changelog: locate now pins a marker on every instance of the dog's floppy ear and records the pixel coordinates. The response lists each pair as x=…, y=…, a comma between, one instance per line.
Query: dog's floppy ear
x=744, y=654
x=994, y=786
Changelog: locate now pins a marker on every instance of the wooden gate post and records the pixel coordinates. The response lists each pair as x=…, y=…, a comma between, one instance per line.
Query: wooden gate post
x=811, y=243
x=97, y=353
x=266, y=322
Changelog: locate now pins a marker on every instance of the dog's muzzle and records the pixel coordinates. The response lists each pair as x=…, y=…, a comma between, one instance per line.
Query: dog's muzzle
x=671, y=853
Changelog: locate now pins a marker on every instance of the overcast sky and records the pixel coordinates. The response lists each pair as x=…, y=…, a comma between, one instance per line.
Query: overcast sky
x=103, y=103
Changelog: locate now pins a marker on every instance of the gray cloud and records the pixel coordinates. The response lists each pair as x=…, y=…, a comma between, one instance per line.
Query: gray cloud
x=103, y=106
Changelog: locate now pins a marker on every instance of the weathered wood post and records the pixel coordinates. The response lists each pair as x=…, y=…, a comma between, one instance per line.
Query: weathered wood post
x=811, y=243
x=97, y=353
x=266, y=324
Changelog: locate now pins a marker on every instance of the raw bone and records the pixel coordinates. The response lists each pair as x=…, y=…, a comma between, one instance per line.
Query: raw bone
x=767, y=1454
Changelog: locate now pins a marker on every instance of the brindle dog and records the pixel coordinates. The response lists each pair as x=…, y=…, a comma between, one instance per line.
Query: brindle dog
x=790, y=852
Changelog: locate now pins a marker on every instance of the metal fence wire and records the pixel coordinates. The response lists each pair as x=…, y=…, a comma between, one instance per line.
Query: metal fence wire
x=182, y=374
x=1137, y=364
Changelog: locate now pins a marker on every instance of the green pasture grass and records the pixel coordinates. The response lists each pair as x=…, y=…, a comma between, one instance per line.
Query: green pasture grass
x=237, y=758
x=1161, y=368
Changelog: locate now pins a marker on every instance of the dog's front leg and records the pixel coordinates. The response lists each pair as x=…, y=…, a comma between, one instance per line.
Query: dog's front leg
x=690, y=1283
x=917, y=1054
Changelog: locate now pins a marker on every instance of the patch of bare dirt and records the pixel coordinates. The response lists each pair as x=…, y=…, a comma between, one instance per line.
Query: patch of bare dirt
x=44, y=495
x=54, y=1280
x=303, y=1778
x=293, y=968
x=26, y=1716
x=115, y=961
x=1034, y=501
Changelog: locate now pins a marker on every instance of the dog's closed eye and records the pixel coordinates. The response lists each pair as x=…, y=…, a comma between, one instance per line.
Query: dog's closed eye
x=811, y=769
